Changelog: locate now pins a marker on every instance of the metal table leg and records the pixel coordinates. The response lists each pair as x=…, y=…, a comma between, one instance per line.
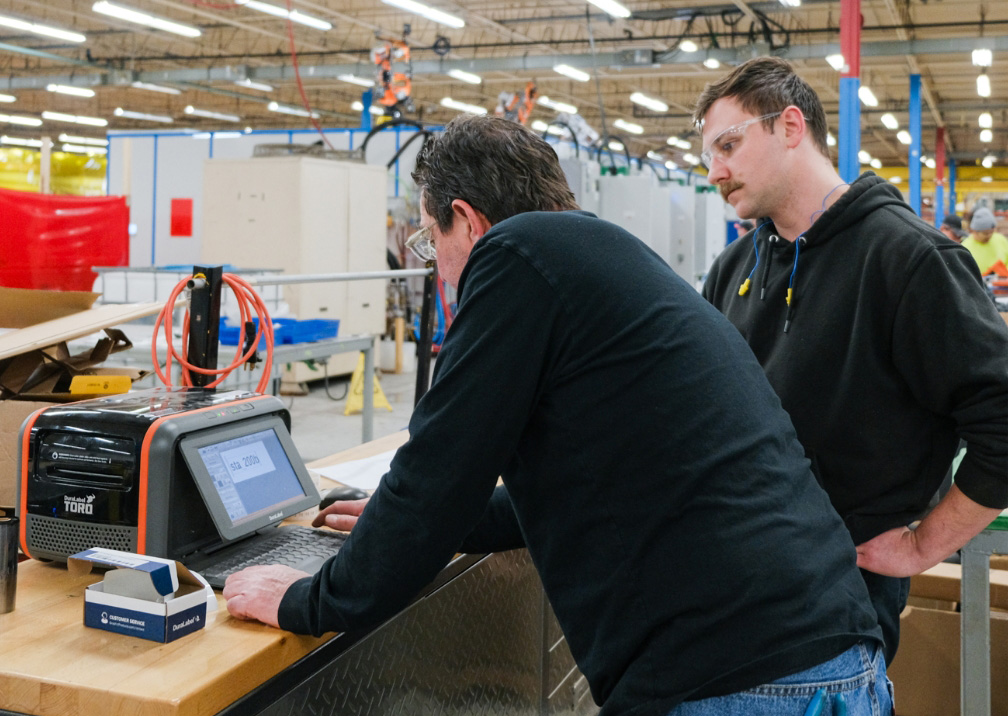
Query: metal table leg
x=975, y=691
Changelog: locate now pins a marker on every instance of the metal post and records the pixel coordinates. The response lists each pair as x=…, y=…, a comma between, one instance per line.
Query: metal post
x=939, y=176
x=915, y=143
x=367, y=406
x=953, y=200
x=366, y=98
x=204, y=320
x=849, y=131
x=426, y=336
x=974, y=661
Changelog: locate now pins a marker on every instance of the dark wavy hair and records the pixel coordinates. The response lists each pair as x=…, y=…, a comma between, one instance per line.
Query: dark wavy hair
x=497, y=166
x=764, y=85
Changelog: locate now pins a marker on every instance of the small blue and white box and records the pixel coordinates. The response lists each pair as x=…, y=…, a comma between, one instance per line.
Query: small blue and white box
x=149, y=597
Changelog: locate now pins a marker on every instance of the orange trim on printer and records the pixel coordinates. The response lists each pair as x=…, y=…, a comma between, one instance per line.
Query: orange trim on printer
x=25, y=442
x=145, y=458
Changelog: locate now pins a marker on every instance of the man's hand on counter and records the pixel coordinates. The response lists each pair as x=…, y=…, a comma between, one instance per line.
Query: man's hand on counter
x=341, y=515
x=255, y=592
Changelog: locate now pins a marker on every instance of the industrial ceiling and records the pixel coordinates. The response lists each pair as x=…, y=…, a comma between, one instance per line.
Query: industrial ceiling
x=506, y=44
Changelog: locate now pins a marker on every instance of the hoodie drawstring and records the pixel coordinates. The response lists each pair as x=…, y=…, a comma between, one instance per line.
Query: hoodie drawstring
x=744, y=288
x=772, y=242
x=799, y=242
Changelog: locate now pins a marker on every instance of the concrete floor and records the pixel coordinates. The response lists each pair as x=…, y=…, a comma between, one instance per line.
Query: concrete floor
x=320, y=428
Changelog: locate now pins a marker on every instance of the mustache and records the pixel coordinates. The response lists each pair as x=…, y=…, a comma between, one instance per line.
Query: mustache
x=728, y=187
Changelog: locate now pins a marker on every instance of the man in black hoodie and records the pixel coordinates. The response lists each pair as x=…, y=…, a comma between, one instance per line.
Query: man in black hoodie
x=873, y=328
x=691, y=559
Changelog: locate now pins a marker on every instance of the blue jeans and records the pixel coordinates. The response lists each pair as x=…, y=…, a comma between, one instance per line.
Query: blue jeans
x=859, y=674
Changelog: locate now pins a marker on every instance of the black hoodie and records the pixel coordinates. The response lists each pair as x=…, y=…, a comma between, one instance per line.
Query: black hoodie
x=893, y=353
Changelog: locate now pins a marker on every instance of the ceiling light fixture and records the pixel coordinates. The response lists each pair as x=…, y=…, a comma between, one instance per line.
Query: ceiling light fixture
x=540, y=126
x=462, y=106
x=904, y=136
x=679, y=143
x=671, y=165
x=155, y=88
x=127, y=114
x=21, y=142
x=104, y=7
x=986, y=120
x=864, y=157
x=621, y=123
x=260, y=86
x=655, y=105
x=37, y=29
x=983, y=85
x=694, y=160
x=930, y=163
x=288, y=109
x=889, y=121
x=983, y=57
x=830, y=139
x=465, y=76
x=655, y=156
x=211, y=115
x=572, y=72
x=711, y=63
x=373, y=109
x=430, y=13
x=837, y=62
x=355, y=80
x=616, y=145
x=79, y=149
x=70, y=90
x=987, y=179
x=875, y=163
x=20, y=119
x=83, y=140
x=293, y=15
x=790, y=3
x=896, y=179
x=868, y=97
x=611, y=7
x=7, y=98
x=988, y=161
x=75, y=118
x=688, y=46
x=986, y=135
x=558, y=106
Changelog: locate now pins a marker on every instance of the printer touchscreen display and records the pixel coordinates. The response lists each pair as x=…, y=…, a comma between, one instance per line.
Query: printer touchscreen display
x=251, y=474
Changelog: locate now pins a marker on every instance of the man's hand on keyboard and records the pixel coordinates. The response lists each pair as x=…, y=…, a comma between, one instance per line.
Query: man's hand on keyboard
x=341, y=515
x=255, y=592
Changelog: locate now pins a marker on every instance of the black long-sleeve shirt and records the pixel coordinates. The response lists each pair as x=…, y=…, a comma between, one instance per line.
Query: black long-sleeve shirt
x=649, y=468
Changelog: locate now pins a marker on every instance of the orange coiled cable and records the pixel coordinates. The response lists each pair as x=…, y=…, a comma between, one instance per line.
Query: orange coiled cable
x=247, y=299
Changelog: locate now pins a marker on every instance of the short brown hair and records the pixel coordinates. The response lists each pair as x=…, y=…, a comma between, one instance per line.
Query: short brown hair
x=497, y=166
x=767, y=85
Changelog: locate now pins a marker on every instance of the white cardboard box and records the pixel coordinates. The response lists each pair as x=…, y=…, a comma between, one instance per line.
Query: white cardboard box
x=148, y=597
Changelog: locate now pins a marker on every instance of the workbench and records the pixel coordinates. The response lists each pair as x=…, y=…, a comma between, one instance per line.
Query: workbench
x=480, y=639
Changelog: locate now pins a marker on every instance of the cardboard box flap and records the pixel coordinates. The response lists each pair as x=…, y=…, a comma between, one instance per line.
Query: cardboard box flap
x=50, y=369
x=943, y=581
x=23, y=307
x=161, y=572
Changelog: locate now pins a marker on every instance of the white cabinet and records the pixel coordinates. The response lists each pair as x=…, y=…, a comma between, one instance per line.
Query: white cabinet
x=303, y=215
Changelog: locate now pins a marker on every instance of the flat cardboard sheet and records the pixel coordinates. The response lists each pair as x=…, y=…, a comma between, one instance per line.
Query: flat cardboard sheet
x=48, y=333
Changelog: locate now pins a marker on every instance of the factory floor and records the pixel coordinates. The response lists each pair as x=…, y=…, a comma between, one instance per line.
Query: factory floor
x=319, y=427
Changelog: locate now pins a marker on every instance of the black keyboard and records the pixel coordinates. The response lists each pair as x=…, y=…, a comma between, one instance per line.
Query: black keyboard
x=302, y=548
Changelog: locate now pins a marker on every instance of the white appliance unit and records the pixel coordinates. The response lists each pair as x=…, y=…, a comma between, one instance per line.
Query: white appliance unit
x=304, y=215
x=711, y=229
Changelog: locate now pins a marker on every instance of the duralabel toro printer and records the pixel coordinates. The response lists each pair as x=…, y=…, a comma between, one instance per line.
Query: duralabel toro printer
x=167, y=472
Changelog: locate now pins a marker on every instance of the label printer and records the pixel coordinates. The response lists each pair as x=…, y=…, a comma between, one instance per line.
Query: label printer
x=157, y=472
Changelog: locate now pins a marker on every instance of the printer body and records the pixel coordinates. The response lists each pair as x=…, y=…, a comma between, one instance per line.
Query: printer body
x=109, y=472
